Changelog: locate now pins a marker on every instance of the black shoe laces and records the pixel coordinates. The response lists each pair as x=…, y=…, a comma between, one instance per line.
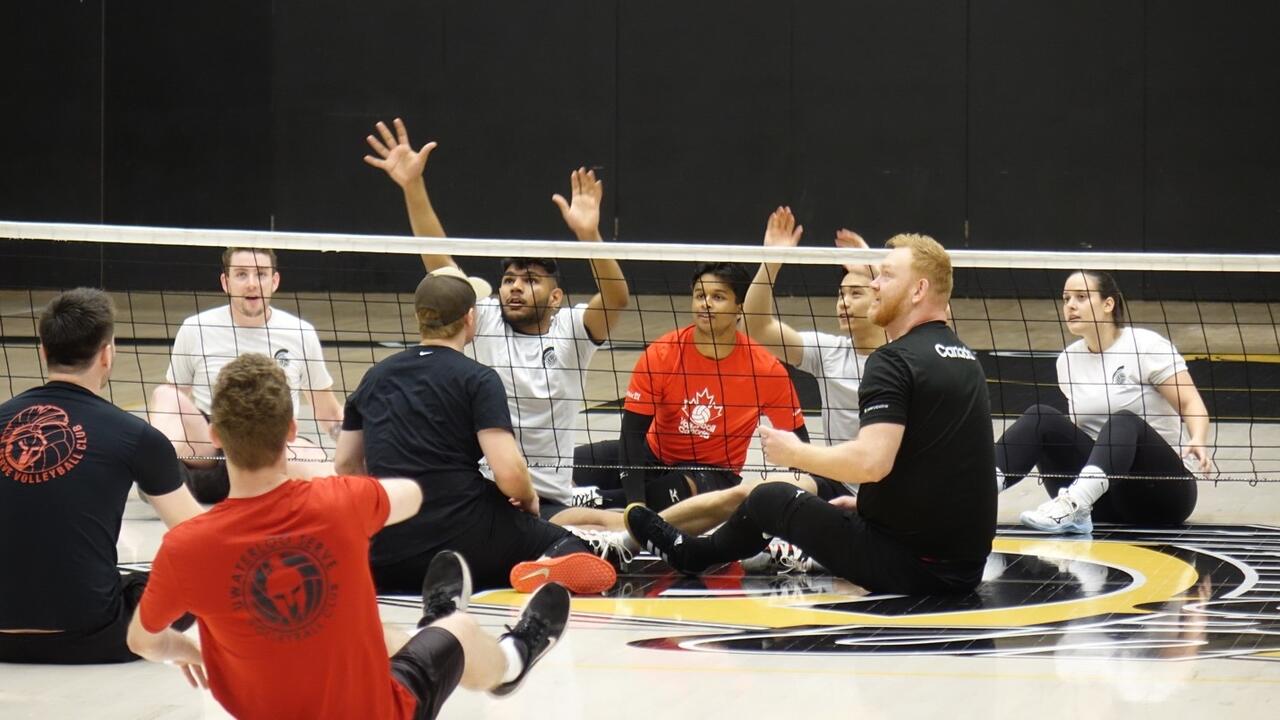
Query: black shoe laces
x=533, y=632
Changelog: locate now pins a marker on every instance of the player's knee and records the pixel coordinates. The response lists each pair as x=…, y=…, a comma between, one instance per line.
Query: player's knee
x=768, y=499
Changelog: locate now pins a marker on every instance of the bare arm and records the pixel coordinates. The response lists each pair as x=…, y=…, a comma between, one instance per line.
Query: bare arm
x=397, y=158
x=762, y=322
x=1180, y=390
x=510, y=471
x=582, y=214
x=348, y=459
x=175, y=507
x=327, y=409
x=867, y=458
x=168, y=645
x=405, y=498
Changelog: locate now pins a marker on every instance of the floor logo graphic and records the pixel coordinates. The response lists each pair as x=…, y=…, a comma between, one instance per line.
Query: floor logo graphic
x=41, y=444
x=286, y=587
x=699, y=413
x=1126, y=594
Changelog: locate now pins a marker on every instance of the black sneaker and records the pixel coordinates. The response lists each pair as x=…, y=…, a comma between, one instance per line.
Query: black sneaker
x=540, y=626
x=657, y=535
x=446, y=588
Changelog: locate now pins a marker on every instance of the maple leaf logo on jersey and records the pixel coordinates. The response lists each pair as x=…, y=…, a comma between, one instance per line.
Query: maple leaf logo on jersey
x=700, y=413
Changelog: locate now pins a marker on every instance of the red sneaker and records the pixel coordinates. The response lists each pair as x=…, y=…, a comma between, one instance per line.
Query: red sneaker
x=581, y=573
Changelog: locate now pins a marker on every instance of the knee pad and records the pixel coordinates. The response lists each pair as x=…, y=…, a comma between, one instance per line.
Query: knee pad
x=208, y=485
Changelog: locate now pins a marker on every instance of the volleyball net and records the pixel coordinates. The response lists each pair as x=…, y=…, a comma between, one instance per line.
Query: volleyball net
x=357, y=293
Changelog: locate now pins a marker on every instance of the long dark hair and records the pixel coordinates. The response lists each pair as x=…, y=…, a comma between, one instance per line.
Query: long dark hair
x=1106, y=287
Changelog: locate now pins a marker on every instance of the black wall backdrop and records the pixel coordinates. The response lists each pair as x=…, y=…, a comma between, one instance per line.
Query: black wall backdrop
x=1036, y=124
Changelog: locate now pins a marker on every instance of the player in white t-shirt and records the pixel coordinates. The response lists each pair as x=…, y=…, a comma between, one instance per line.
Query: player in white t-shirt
x=209, y=340
x=540, y=350
x=1119, y=453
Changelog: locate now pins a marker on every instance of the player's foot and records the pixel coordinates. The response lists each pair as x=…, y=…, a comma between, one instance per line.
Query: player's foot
x=587, y=496
x=657, y=536
x=781, y=557
x=1062, y=514
x=540, y=626
x=581, y=573
x=446, y=588
x=615, y=546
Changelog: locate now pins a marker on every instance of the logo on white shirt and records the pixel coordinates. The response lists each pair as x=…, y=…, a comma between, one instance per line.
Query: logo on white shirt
x=700, y=413
x=1120, y=377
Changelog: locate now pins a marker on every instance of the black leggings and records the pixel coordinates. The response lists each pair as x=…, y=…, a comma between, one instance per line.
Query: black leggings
x=1127, y=446
x=104, y=644
x=840, y=540
x=665, y=485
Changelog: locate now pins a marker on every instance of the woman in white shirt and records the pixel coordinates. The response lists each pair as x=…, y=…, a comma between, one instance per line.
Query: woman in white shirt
x=1118, y=454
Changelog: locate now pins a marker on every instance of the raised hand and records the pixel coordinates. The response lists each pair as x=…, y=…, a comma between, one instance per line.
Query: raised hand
x=781, y=230
x=396, y=156
x=846, y=238
x=582, y=212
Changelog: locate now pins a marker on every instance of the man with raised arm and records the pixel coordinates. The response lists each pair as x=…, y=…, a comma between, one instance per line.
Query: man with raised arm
x=539, y=349
x=431, y=413
x=207, y=341
x=924, y=454
x=70, y=460
x=278, y=577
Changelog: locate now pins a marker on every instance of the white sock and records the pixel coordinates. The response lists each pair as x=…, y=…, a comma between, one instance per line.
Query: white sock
x=999, y=480
x=515, y=662
x=1090, y=485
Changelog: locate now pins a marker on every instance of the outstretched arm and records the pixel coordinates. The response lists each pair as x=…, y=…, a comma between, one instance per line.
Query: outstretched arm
x=582, y=214
x=762, y=320
x=1180, y=390
x=867, y=458
x=397, y=158
x=168, y=645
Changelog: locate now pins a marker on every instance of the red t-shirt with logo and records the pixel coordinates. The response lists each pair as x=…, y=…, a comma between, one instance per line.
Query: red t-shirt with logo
x=706, y=411
x=281, y=587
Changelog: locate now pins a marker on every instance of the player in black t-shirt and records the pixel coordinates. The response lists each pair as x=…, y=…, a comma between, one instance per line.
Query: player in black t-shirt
x=431, y=413
x=924, y=455
x=69, y=461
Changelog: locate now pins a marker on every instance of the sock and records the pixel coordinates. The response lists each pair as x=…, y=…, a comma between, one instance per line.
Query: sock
x=1090, y=485
x=999, y=480
x=515, y=658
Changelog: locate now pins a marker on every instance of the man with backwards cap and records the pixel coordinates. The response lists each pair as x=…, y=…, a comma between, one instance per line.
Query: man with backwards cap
x=430, y=413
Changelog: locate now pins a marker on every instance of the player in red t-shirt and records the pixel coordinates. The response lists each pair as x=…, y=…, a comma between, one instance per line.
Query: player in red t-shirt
x=278, y=578
x=696, y=397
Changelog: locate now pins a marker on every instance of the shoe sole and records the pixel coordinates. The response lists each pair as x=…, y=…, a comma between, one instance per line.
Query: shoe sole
x=1072, y=529
x=580, y=573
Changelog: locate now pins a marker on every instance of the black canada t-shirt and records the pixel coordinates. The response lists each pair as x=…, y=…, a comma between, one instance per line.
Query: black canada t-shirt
x=69, y=460
x=420, y=410
x=940, y=497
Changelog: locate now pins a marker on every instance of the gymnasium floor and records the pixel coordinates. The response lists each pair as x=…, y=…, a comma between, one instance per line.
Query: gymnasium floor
x=1131, y=623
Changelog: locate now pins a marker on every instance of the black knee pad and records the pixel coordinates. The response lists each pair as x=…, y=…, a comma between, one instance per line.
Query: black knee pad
x=665, y=490
x=771, y=496
x=208, y=485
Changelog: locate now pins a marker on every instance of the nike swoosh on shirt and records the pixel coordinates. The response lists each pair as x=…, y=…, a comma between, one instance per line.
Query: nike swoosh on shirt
x=541, y=572
x=425, y=352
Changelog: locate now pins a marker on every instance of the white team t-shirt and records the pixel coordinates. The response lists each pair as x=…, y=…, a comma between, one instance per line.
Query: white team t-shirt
x=838, y=367
x=207, y=341
x=1122, y=377
x=544, y=376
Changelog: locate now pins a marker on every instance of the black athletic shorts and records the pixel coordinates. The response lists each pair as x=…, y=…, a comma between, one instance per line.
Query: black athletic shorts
x=548, y=509
x=104, y=644
x=829, y=489
x=429, y=666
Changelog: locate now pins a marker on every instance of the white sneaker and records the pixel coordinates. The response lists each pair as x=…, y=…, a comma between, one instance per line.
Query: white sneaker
x=615, y=546
x=1060, y=515
x=587, y=496
x=782, y=557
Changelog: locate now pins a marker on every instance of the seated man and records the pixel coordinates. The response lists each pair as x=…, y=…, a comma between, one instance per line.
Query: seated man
x=695, y=399
x=539, y=349
x=70, y=459
x=209, y=340
x=277, y=576
x=431, y=413
x=926, y=515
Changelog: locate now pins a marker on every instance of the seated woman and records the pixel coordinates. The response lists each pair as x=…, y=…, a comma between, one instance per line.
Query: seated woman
x=1114, y=456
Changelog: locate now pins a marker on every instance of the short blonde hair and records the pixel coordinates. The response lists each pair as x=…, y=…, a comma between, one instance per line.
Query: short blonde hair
x=928, y=259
